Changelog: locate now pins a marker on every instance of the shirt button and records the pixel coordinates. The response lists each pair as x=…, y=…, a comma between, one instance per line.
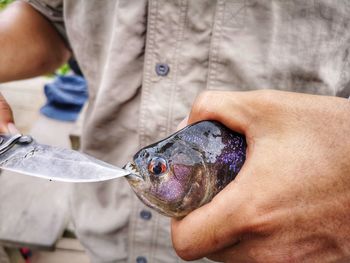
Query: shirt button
x=141, y=260
x=162, y=69
x=145, y=215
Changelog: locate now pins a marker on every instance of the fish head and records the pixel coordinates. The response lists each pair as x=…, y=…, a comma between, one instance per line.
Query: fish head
x=169, y=176
x=186, y=170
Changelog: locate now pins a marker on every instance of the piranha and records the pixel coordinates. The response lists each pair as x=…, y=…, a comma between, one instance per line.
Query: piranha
x=186, y=170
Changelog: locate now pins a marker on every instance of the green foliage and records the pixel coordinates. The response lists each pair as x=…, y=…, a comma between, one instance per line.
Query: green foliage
x=4, y=3
x=63, y=70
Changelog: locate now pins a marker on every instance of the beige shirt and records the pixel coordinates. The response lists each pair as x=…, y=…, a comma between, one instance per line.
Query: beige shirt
x=146, y=61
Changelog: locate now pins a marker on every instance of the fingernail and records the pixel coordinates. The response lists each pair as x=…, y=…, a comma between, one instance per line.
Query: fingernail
x=12, y=128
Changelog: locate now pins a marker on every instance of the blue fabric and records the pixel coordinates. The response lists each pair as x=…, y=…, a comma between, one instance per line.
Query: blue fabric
x=65, y=98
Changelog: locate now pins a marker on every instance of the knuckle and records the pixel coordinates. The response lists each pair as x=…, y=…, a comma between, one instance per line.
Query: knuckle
x=202, y=106
x=183, y=249
x=268, y=98
x=257, y=226
x=261, y=222
x=185, y=242
x=263, y=106
x=255, y=221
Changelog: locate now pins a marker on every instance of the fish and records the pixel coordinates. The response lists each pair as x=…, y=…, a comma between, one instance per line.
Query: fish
x=187, y=169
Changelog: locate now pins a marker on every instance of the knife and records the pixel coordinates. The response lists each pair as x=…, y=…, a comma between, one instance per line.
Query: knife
x=22, y=154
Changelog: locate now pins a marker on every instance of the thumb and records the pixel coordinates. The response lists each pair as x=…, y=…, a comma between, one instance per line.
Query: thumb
x=218, y=224
x=6, y=115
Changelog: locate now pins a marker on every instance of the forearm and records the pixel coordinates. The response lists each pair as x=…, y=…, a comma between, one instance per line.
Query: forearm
x=30, y=45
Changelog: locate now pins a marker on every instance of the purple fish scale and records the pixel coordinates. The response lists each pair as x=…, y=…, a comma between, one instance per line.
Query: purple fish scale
x=233, y=154
x=194, y=139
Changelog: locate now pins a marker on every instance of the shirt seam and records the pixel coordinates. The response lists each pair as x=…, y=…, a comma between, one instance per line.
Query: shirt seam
x=179, y=39
x=214, y=45
x=149, y=46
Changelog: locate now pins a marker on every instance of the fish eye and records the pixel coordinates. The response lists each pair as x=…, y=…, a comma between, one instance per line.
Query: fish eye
x=157, y=166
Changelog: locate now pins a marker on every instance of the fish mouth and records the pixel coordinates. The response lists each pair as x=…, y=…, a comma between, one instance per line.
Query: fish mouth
x=134, y=172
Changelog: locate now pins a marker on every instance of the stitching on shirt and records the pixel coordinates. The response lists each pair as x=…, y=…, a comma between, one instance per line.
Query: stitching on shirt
x=179, y=40
x=172, y=82
x=145, y=93
x=154, y=237
x=214, y=45
x=150, y=38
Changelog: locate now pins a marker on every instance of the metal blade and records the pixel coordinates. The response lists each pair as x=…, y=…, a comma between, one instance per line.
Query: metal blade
x=57, y=164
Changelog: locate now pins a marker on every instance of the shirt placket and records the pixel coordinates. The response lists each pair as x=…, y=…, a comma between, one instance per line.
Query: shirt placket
x=157, y=102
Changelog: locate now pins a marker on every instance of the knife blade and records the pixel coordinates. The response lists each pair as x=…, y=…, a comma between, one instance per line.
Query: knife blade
x=22, y=154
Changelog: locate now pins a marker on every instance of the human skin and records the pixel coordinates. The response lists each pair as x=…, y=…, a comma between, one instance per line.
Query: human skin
x=30, y=46
x=291, y=200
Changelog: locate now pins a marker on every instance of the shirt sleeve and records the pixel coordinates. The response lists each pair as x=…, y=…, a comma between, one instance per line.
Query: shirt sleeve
x=53, y=11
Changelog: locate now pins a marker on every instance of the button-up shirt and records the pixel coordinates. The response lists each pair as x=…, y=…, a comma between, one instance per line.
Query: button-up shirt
x=145, y=62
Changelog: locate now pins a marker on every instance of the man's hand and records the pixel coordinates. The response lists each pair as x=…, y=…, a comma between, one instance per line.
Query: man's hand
x=291, y=200
x=6, y=116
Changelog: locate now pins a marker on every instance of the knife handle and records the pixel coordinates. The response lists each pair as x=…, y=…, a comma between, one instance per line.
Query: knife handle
x=7, y=141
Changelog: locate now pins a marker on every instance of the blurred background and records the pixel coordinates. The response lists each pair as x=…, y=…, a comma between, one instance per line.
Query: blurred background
x=35, y=224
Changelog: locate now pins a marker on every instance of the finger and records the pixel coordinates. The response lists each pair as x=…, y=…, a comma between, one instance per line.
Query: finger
x=6, y=115
x=12, y=129
x=229, y=108
x=215, y=225
x=182, y=124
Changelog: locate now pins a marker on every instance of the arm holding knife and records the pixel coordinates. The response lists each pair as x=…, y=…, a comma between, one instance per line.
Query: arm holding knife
x=30, y=46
